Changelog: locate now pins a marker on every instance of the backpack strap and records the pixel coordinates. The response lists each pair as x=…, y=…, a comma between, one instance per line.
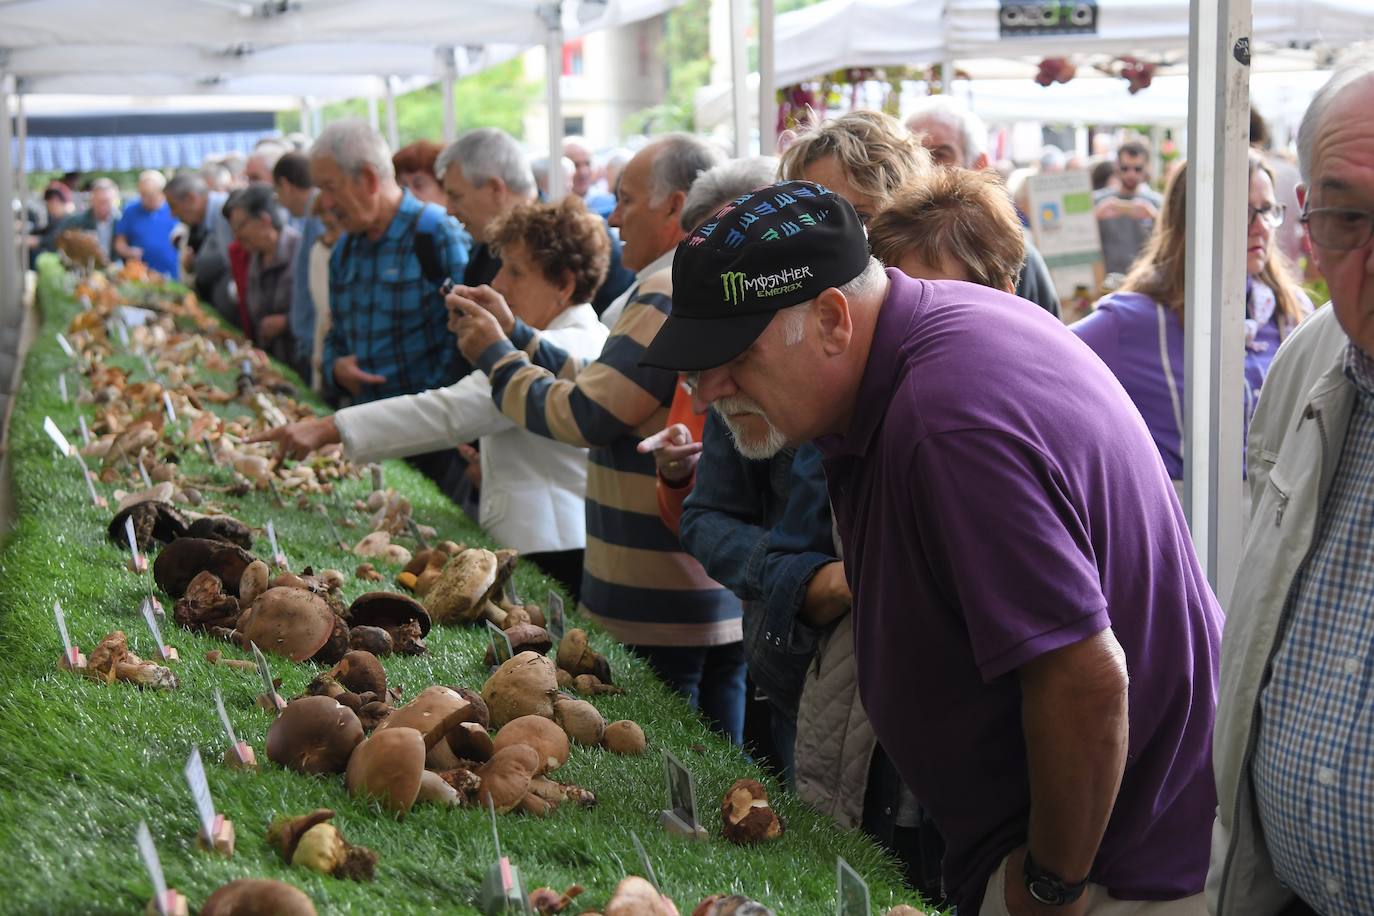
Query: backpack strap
x=426, y=247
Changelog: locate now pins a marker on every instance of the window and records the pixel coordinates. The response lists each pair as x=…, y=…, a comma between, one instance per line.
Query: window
x=572, y=57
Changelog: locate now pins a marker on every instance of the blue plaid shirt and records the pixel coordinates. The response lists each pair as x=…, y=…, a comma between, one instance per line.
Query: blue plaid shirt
x=387, y=312
x=1314, y=761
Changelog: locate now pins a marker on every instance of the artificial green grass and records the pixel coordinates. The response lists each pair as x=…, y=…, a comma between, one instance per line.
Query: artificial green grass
x=82, y=763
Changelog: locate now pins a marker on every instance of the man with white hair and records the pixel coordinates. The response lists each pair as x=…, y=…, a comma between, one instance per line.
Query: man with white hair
x=584, y=180
x=144, y=231
x=956, y=137
x=100, y=218
x=263, y=160
x=1295, y=719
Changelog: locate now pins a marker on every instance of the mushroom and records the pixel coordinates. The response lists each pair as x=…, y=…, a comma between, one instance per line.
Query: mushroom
x=580, y=720
x=407, y=638
x=373, y=714
x=732, y=905
x=111, y=660
x=360, y=672
x=575, y=656
x=523, y=686
x=315, y=734
x=181, y=560
x=539, y=733
x=387, y=610
x=395, y=553
x=433, y=713
x=373, y=545
x=636, y=897
x=290, y=622
x=154, y=521
x=370, y=639
x=546, y=901
x=589, y=686
x=257, y=897
x=746, y=817
x=309, y=841
x=222, y=528
x=506, y=777
x=624, y=737
x=903, y=909
x=481, y=714
x=253, y=582
x=336, y=646
x=423, y=571
x=205, y=604
x=367, y=573
x=524, y=637
x=388, y=766
x=471, y=741
x=459, y=594
x=434, y=790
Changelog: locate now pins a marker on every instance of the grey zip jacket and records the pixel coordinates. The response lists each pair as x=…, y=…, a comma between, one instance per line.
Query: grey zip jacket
x=1295, y=446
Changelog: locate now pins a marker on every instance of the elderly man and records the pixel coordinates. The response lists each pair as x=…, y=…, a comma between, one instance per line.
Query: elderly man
x=1295, y=720
x=576, y=151
x=144, y=231
x=100, y=217
x=206, y=255
x=637, y=582
x=955, y=137
x=263, y=160
x=260, y=226
x=485, y=174
x=1035, y=640
x=296, y=192
x=1126, y=214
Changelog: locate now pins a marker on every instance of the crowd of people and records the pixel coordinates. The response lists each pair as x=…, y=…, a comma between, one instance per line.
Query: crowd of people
x=810, y=436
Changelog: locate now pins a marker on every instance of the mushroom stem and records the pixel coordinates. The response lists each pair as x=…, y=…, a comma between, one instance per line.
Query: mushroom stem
x=434, y=789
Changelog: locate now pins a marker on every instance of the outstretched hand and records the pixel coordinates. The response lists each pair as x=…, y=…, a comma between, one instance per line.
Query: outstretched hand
x=296, y=440
x=675, y=454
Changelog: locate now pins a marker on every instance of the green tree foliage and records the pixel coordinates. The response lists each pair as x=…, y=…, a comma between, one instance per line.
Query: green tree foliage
x=686, y=56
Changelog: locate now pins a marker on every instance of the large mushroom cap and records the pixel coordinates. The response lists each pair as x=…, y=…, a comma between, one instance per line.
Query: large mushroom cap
x=314, y=735
x=433, y=713
x=181, y=560
x=457, y=595
x=582, y=721
x=524, y=637
x=506, y=776
x=290, y=622
x=388, y=766
x=154, y=520
x=222, y=528
x=547, y=739
x=523, y=686
x=361, y=671
x=387, y=609
x=206, y=605
x=636, y=897
x=258, y=897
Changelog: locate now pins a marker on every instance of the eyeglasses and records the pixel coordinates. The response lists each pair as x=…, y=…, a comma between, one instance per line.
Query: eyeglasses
x=1271, y=215
x=1339, y=228
x=691, y=381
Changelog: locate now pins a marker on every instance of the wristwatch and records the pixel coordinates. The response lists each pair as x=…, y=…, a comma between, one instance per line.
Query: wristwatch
x=1047, y=887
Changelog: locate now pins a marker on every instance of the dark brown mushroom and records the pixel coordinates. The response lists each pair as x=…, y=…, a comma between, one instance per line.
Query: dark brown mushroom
x=370, y=639
x=407, y=638
x=290, y=622
x=314, y=735
x=433, y=713
x=222, y=528
x=258, y=897
x=387, y=610
x=360, y=672
x=388, y=766
x=205, y=604
x=336, y=646
x=154, y=521
x=471, y=741
x=181, y=560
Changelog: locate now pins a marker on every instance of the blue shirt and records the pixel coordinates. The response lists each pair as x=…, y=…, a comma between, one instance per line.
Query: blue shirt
x=1313, y=781
x=151, y=230
x=387, y=311
x=302, y=314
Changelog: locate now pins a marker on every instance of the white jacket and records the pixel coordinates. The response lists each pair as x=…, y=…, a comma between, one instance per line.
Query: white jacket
x=1295, y=446
x=533, y=488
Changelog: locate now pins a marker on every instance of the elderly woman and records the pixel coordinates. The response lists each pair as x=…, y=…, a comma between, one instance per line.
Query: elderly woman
x=553, y=258
x=1138, y=330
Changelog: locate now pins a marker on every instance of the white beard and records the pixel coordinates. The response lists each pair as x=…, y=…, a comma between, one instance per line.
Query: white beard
x=773, y=441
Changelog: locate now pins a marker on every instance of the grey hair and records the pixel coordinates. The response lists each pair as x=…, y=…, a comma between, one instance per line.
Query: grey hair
x=353, y=144
x=972, y=130
x=184, y=183
x=271, y=149
x=680, y=159
x=487, y=153
x=793, y=320
x=104, y=184
x=718, y=186
x=153, y=177
x=1348, y=73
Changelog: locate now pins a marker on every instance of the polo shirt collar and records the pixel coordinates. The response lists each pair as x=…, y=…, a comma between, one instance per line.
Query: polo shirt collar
x=906, y=300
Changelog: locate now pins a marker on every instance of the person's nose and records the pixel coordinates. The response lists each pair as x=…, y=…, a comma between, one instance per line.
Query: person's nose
x=712, y=385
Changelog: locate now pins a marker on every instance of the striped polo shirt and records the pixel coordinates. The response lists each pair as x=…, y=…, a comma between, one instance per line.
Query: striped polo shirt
x=637, y=582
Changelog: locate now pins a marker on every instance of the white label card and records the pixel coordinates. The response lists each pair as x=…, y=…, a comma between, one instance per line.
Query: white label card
x=151, y=619
x=148, y=852
x=851, y=891
x=200, y=792
x=62, y=627
x=133, y=541
x=123, y=330
x=231, y=346
x=277, y=555
x=558, y=624
x=85, y=430
x=500, y=643
x=644, y=860
x=86, y=476
x=224, y=719
x=263, y=671
x=62, y=387
x=682, y=792
x=143, y=472
x=56, y=436
x=167, y=403
x=65, y=345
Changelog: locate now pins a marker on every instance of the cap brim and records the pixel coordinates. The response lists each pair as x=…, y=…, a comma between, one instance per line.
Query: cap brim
x=693, y=344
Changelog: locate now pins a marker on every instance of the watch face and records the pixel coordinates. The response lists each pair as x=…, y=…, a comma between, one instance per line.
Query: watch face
x=1046, y=891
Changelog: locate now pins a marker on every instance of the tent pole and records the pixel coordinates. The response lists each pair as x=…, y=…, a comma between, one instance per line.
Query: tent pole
x=11, y=273
x=553, y=92
x=392, y=135
x=768, y=102
x=739, y=74
x=450, y=76
x=21, y=178
x=306, y=122
x=372, y=117
x=1218, y=122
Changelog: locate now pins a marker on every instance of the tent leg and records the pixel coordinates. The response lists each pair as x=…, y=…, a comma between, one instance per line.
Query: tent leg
x=553, y=92
x=372, y=116
x=392, y=135
x=307, y=123
x=768, y=102
x=450, y=77
x=739, y=74
x=11, y=259
x=1218, y=121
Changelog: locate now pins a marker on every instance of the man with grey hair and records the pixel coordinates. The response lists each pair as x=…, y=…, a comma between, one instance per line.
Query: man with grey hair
x=144, y=230
x=205, y=259
x=99, y=219
x=1295, y=719
x=485, y=174
x=263, y=159
x=637, y=582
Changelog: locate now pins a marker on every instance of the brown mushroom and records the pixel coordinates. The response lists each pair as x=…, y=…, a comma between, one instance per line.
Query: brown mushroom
x=523, y=686
x=257, y=897
x=423, y=570
x=309, y=841
x=181, y=560
x=407, y=638
x=388, y=766
x=546, y=901
x=367, y=573
x=360, y=672
x=580, y=720
x=205, y=604
x=733, y=905
x=458, y=594
x=539, y=733
x=387, y=610
x=433, y=713
x=222, y=528
x=315, y=734
x=481, y=714
x=506, y=777
x=373, y=714
x=290, y=622
x=525, y=637
x=576, y=656
x=154, y=521
x=370, y=639
x=434, y=790
x=746, y=817
x=589, y=686
x=471, y=741
x=636, y=897
x=253, y=582
x=624, y=737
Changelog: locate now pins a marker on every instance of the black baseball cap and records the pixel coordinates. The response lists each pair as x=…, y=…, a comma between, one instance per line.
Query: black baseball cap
x=771, y=249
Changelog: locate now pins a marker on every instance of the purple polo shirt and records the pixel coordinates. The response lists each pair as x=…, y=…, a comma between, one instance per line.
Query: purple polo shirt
x=999, y=497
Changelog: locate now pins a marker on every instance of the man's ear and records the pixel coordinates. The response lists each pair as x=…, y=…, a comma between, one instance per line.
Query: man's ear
x=369, y=179
x=834, y=323
x=675, y=202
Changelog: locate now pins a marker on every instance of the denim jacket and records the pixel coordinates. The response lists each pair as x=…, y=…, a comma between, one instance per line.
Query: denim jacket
x=762, y=529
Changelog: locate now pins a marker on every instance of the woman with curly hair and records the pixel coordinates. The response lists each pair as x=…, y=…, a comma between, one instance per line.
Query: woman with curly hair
x=553, y=258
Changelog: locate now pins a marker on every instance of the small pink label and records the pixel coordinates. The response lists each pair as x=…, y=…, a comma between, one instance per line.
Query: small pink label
x=73, y=655
x=241, y=751
x=507, y=882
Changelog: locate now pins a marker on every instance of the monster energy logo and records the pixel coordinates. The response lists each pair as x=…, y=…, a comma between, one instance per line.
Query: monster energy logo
x=736, y=284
